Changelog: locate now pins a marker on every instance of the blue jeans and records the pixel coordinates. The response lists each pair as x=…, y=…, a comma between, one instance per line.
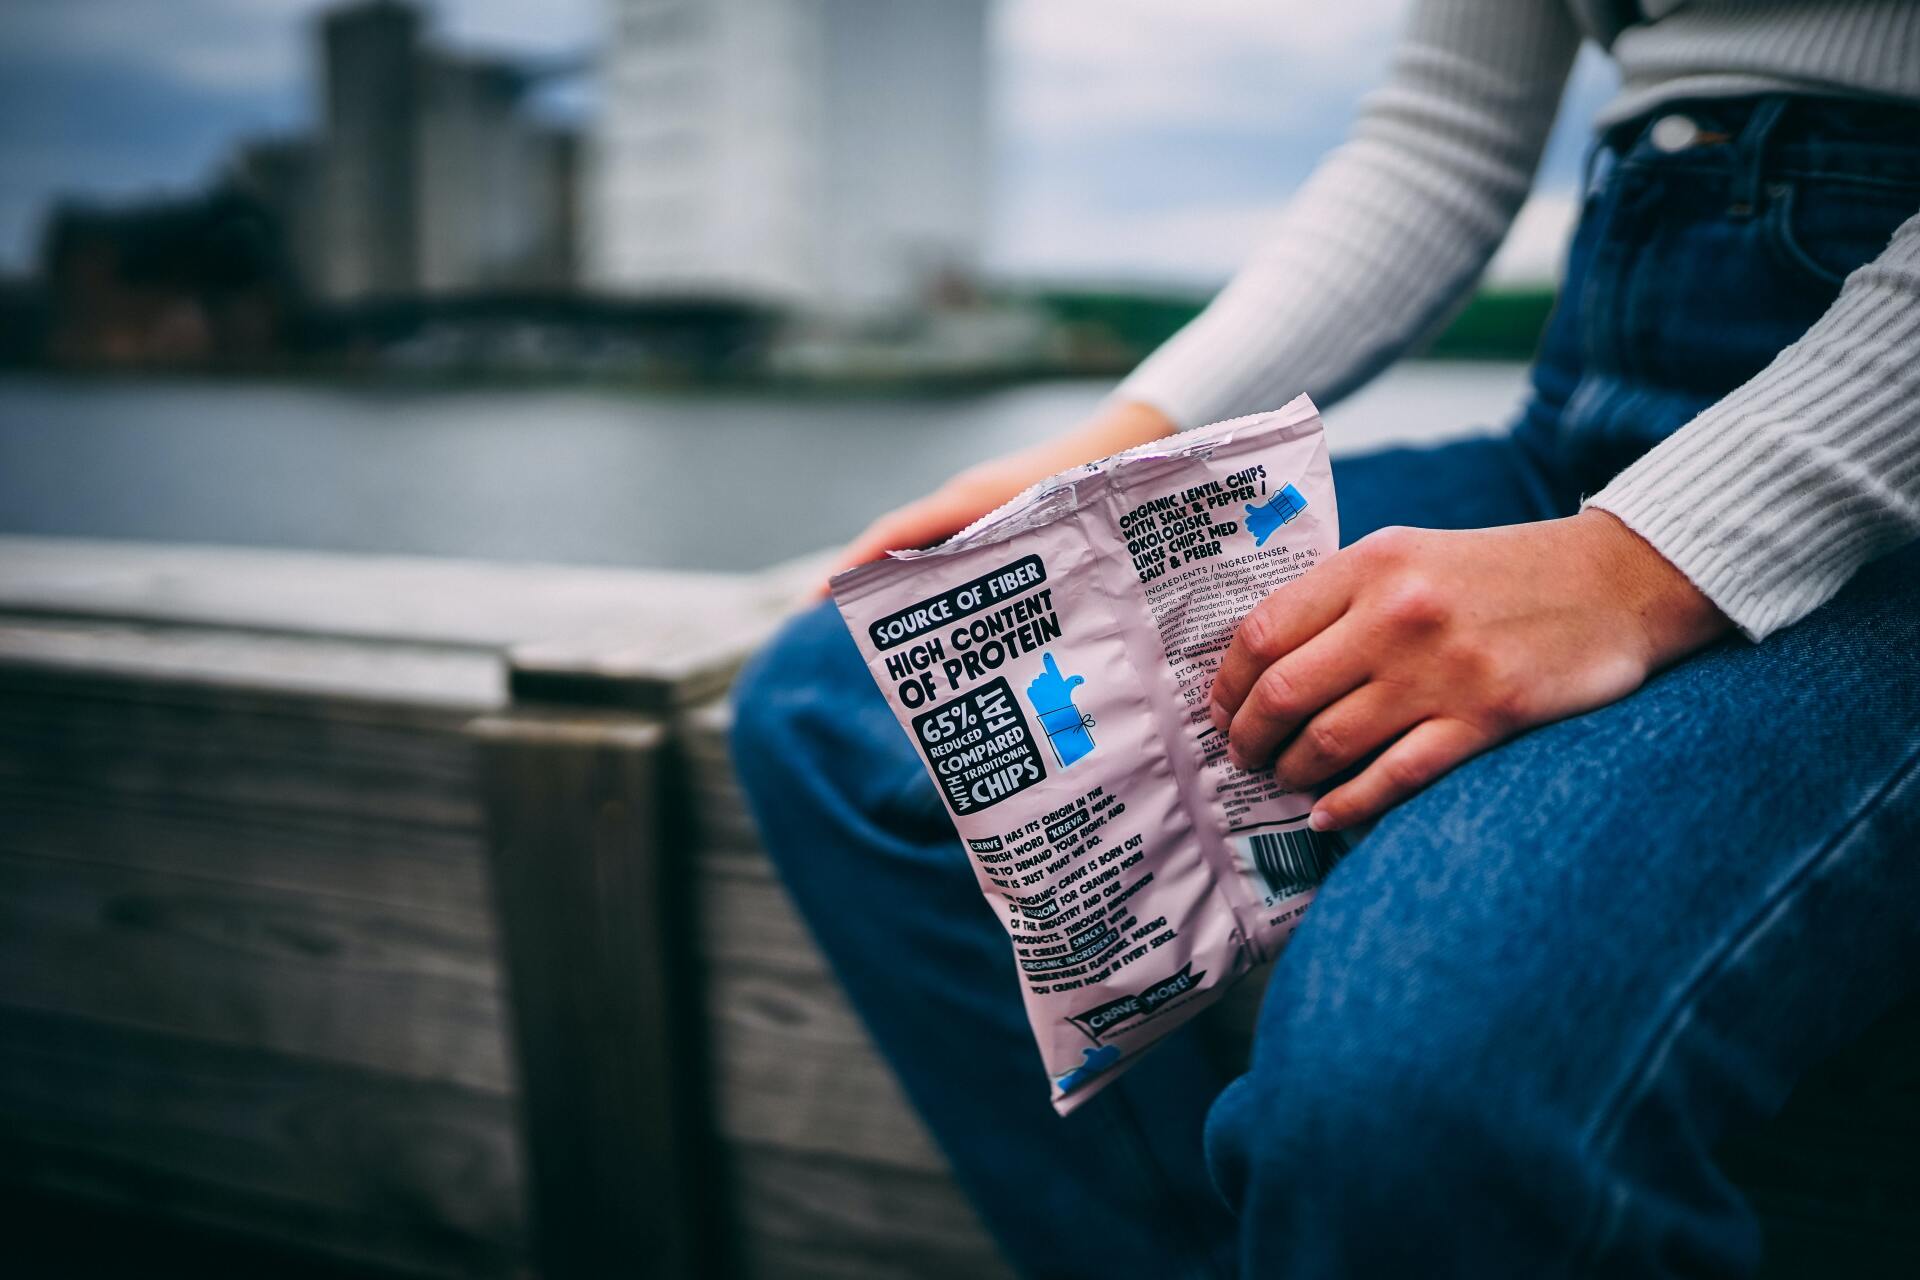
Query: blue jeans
x=1521, y=1015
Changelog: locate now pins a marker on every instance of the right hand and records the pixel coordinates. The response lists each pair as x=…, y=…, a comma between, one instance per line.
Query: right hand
x=979, y=489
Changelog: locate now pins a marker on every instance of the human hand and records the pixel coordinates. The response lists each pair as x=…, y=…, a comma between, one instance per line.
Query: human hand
x=1428, y=646
x=979, y=489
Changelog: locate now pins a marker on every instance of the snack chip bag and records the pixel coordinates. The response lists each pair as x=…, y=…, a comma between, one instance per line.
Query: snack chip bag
x=1052, y=664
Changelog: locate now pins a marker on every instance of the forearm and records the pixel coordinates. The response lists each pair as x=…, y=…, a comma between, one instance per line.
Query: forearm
x=1392, y=229
x=1773, y=498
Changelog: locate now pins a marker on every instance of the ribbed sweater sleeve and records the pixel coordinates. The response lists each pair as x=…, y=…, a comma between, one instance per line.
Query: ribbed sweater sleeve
x=1772, y=498
x=1392, y=229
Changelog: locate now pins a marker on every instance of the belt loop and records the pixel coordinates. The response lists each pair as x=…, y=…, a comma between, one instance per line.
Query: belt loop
x=1750, y=154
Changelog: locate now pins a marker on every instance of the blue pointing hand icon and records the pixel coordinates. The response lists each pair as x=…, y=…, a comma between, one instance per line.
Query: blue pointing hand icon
x=1051, y=696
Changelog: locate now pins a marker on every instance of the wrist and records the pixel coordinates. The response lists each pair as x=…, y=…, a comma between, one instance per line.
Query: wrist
x=1672, y=615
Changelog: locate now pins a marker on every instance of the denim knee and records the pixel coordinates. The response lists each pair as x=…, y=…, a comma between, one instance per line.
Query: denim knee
x=1369, y=1139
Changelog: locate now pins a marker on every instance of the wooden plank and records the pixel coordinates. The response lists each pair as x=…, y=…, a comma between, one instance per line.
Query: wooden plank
x=410, y=993
x=795, y=1067
x=356, y=671
x=594, y=926
x=65, y=1237
x=587, y=636
x=288, y=790
x=413, y=599
x=721, y=820
x=797, y=1072
x=812, y=1218
x=694, y=642
x=61, y=734
x=351, y=1163
x=748, y=922
x=404, y=866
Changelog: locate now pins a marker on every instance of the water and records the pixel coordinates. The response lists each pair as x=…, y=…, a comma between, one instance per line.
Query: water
x=697, y=481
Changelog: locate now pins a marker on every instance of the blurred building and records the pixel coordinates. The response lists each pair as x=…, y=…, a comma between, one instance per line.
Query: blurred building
x=201, y=281
x=283, y=174
x=369, y=133
x=431, y=175
x=495, y=185
x=827, y=155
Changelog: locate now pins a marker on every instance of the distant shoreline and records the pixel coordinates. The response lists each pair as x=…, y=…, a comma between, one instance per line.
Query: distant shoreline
x=692, y=388
x=1032, y=334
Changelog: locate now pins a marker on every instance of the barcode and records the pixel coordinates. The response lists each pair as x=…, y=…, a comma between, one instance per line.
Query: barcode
x=1294, y=861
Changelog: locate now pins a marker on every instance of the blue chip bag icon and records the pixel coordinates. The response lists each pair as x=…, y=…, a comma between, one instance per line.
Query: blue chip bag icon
x=1066, y=727
x=1282, y=508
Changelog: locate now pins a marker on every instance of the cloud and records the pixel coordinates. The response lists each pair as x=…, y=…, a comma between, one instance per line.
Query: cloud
x=257, y=45
x=228, y=45
x=1122, y=164
x=1071, y=67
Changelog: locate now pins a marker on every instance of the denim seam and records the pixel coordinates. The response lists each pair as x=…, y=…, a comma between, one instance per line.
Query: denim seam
x=1779, y=233
x=1903, y=185
x=1661, y=166
x=1604, y=1134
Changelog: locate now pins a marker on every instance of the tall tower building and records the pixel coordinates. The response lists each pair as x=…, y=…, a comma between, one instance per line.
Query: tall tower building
x=827, y=155
x=368, y=169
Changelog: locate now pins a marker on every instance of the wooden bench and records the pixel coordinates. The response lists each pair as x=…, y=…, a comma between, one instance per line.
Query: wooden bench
x=406, y=913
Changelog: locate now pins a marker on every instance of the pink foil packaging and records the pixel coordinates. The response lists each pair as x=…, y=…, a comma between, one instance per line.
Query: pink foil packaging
x=1052, y=664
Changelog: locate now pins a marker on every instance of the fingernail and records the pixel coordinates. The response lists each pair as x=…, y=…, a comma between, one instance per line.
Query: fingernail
x=1220, y=717
x=1320, y=820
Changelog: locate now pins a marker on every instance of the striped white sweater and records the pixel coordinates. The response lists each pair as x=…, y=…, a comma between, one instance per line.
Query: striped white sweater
x=1771, y=499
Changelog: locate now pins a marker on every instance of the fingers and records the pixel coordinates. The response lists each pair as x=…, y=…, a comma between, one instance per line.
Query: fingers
x=1053, y=668
x=1277, y=626
x=918, y=524
x=1346, y=733
x=1291, y=692
x=1428, y=750
x=895, y=531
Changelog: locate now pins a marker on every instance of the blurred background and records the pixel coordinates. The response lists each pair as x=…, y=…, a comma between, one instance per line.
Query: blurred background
x=482, y=278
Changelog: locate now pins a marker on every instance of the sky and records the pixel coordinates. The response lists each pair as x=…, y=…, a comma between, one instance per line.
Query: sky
x=1136, y=140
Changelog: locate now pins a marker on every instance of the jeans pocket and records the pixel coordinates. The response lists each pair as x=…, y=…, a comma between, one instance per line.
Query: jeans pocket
x=1823, y=229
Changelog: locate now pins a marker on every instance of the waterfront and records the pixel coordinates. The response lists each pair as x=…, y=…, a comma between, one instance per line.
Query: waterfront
x=706, y=480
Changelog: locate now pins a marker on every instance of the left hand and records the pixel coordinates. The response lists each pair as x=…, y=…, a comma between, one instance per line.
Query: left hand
x=1430, y=646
